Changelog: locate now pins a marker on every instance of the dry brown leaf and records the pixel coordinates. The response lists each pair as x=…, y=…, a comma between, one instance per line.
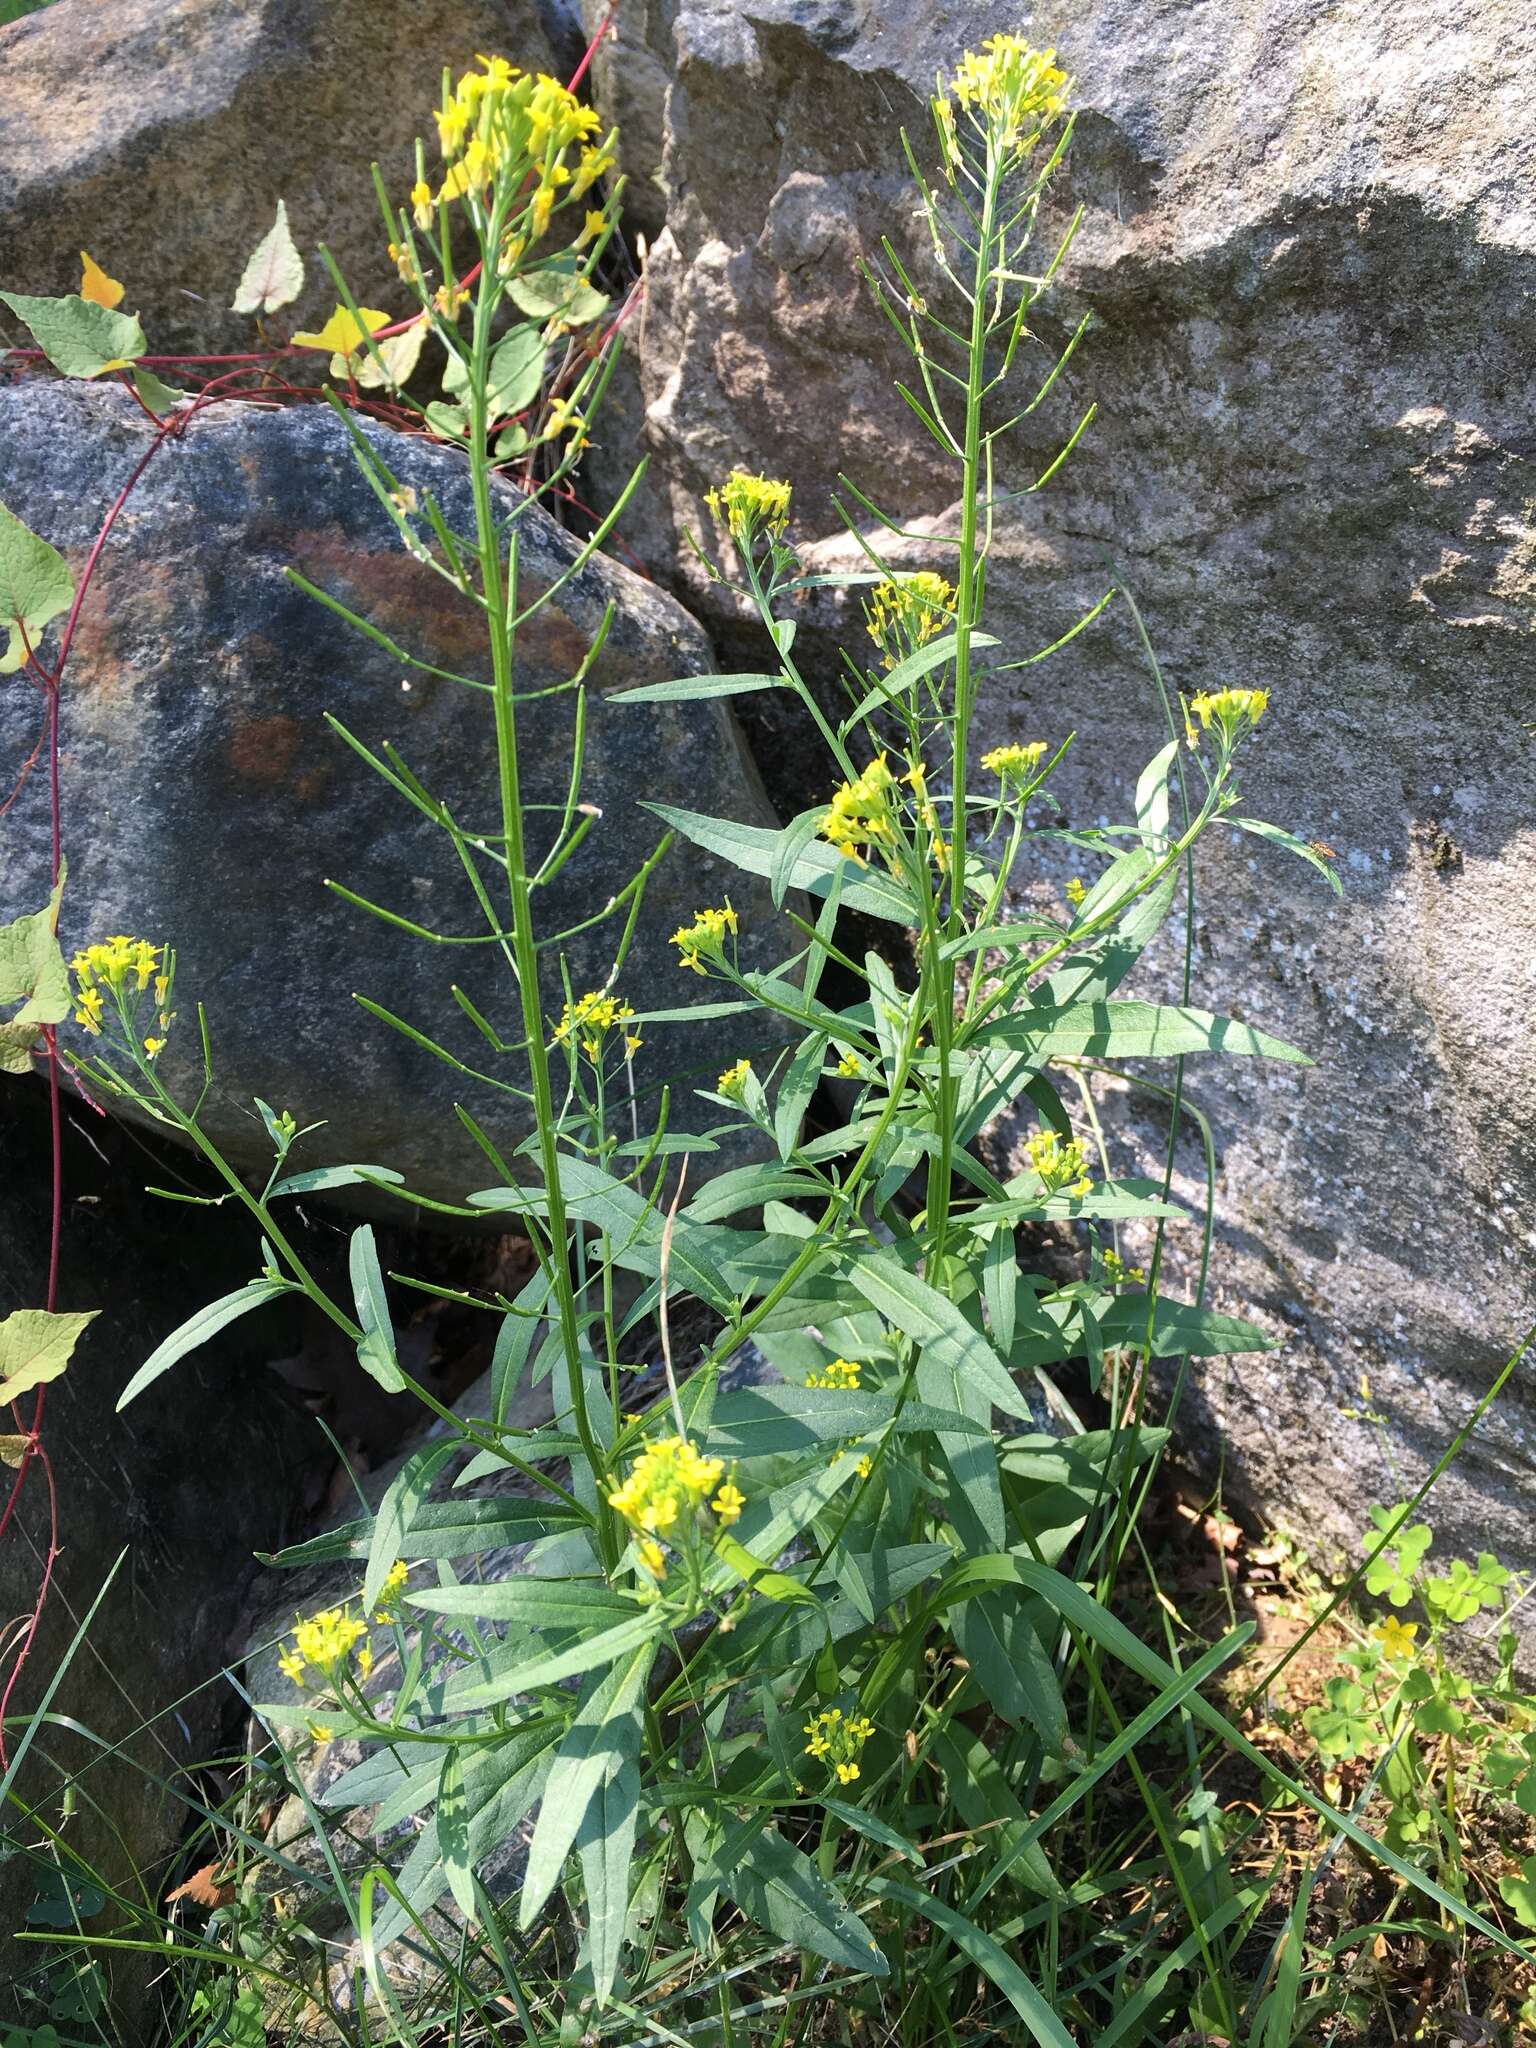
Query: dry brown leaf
x=203, y=1888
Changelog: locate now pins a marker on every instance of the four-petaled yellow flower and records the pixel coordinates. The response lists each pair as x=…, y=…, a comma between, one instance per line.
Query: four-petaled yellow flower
x=842, y=1373
x=838, y=1740
x=1059, y=1164
x=729, y=1502
x=733, y=1082
x=591, y=1018
x=1396, y=1637
x=749, y=505
x=1232, y=712
x=1016, y=764
x=1077, y=889
x=705, y=938
x=670, y=1480
x=863, y=813
x=1011, y=92
x=387, y=1606
x=905, y=612
x=421, y=204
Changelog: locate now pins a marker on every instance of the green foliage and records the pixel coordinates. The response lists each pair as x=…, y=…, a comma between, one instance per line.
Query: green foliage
x=875, y=1550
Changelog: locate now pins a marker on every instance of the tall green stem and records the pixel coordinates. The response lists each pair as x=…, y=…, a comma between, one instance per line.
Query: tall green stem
x=499, y=595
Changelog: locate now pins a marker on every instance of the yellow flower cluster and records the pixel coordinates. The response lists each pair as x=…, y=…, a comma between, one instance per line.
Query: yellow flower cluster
x=733, y=1082
x=841, y=1374
x=838, y=1740
x=1118, y=1273
x=501, y=118
x=1011, y=91
x=704, y=939
x=1016, y=764
x=905, y=612
x=387, y=1607
x=591, y=1017
x=862, y=813
x=122, y=967
x=323, y=1644
x=668, y=1485
x=1060, y=1165
x=749, y=505
x=1232, y=712
x=1076, y=890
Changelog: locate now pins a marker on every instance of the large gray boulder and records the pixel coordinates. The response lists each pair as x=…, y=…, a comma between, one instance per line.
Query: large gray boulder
x=206, y=799
x=159, y=1510
x=160, y=134
x=1309, y=246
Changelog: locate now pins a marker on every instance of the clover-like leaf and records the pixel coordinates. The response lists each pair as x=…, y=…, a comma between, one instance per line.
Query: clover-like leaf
x=1519, y=1893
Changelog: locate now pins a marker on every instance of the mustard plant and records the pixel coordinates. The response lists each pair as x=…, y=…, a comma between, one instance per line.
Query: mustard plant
x=758, y=1624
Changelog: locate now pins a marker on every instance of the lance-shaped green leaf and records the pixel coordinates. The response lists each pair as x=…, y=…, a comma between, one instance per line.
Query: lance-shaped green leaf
x=77, y=336
x=693, y=689
x=777, y=1886
x=35, y=587
x=606, y=1844
x=35, y=1346
x=603, y=1734
x=933, y=1323
x=755, y=849
x=376, y=1346
x=995, y=1962
x=198, y=1329
x=1126, y=1030
x=274, y=277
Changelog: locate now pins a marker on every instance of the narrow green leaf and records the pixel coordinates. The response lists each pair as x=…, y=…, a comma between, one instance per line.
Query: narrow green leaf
x=376, y=1347
x=320, y=1179
x=933, y=1322
x=453, y=1833
x=936, y=654
x=755, y=849
x=605, y=1843
x=589, y=1655
x=1127, y=1030
x=451, y=1528
x=777, y=1886
x=692, y=689
x=404, y=1494
x=984, y=1952
x=604, y=1732
x=544, y=1603
x=198, y=1329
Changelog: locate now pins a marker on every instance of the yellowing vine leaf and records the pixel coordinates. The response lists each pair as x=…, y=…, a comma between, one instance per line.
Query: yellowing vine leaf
x=398, y=357
x=12, y=1450
x=95, y=284
x=35, y=586
x=274, y=277
x=342, y=333
x=36, y=1346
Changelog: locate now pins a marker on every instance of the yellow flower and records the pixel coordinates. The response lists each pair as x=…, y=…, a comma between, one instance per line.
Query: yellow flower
x=387, y=1605
x=88, y=1010
x=1015, y=764
x=750, y=505
x=291, y=1664
x=592, y=165
x=705, y=938
x=733, y=1082
x=652, y=1556
x=842, y=1373
x=593, y=224
x=905, y=612
x=850, y=1066
x=154, y=1046
x=591, y=1018
x=670, y=1480
x=421, y=204
x=1232, y=712
x=1060, y=1166
x=838, y=1740
x=729, y=1502
x=862, y=813
x=327, y=1639
x=1077, y=889
x=1011, y=93
x=364, y=1661
x=320, y=1731
x=1396, y=1637
x=1119, y=1274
